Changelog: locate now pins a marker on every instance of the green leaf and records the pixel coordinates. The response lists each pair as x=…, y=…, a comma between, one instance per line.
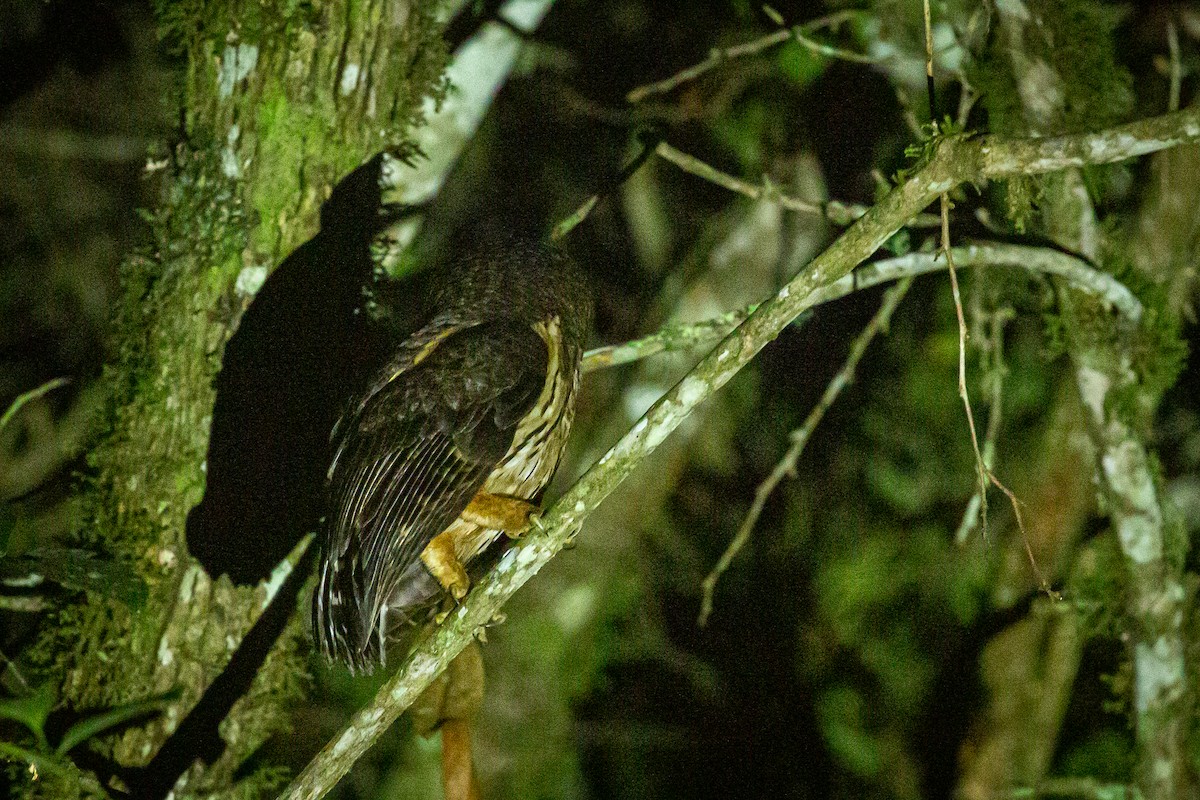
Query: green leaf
x=94, y=725
x=32, y=710
x=99, y=723
x=799, y=64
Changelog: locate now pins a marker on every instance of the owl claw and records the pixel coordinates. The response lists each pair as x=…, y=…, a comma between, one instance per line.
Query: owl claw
x=443, y=564
x=500, y=512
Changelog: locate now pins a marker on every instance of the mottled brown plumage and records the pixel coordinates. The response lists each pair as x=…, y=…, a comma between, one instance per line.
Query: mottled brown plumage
x=475, y=405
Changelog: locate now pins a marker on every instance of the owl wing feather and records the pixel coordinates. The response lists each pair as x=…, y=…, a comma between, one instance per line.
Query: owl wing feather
x=409, y=458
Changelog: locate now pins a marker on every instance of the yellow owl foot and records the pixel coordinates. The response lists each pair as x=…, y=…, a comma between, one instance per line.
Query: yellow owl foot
x=500, y=512
x=439, y=558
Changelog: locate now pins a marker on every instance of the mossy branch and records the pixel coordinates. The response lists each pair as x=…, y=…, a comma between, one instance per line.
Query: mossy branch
x=952, y=161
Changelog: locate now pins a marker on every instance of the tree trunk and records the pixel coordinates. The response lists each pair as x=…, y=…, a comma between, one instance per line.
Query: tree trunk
x=277, y=102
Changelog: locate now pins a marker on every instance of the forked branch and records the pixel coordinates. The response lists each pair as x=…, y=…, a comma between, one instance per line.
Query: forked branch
x=952, y=161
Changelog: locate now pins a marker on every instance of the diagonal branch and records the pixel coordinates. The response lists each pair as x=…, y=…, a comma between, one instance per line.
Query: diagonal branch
x=952, y=162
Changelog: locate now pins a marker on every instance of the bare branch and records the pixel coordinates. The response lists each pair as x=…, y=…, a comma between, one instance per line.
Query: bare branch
x=668, y=339
x=1003, y=157
x=835, y=211
x=1038, y=260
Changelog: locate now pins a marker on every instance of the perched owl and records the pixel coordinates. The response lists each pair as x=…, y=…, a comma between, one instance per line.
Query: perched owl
x=451, y=445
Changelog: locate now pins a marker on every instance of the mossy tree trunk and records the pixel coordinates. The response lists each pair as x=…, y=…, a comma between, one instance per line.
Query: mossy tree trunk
x=1121, y=375
x=278, y=100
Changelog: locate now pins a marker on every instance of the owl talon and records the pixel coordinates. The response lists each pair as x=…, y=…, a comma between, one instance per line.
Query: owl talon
x=443, y=565
x=501, y=513
x=570, y=543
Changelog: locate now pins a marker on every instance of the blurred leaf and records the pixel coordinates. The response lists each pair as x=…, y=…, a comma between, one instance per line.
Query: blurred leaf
x=741, y=130
x=32, y=710
x=79, y=570
x=96, y=724
x=905, y=487
x=1106, y=755
x=841, y=713
x=800, y=64
x=899, y=243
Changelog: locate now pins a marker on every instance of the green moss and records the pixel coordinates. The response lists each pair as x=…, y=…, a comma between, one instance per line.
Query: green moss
x=1176, y=541
x=1096, y=588
x=184, y=25
x=1020, y=196
x=1069, y=45
x=1156, y=349
x=283, y=131
x=1074, y=38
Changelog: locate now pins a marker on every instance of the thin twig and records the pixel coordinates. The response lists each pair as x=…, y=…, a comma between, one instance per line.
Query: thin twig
x=995, y=371
x=28, y=397
x=1176, y=66
x=648, y=140
x=985, y=475
x=669, y=338
x=701, y=169
x=835, y=211
x=717, y=56
x=799, y=437
x=800, y=34
x=930, y=88
x=983, y=472
x=981, y=469
x=567, y=224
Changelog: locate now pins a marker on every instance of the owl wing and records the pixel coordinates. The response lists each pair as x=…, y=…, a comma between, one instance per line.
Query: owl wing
x=408, y=460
